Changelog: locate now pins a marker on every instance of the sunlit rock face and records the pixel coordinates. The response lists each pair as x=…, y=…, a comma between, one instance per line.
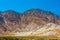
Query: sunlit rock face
x=29, y=20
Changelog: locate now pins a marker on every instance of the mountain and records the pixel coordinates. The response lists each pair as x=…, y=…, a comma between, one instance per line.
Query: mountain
x=11, y=21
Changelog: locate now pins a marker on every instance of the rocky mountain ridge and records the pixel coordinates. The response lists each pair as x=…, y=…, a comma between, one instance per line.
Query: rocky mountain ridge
x=11, y=20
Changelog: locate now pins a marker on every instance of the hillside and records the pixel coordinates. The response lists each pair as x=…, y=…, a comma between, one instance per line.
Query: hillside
x=27, y=21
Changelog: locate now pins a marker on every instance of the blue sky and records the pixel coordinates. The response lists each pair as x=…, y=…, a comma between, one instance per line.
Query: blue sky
x=22, y=5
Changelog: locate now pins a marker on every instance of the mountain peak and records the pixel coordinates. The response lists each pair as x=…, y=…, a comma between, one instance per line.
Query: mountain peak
x=38, y=12
x=10, y=11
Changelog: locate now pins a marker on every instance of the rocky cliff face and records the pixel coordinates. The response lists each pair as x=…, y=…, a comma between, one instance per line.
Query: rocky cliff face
x=11, y=20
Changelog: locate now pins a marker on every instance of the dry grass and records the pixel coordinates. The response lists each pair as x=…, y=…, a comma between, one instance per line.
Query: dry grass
x=28, y=38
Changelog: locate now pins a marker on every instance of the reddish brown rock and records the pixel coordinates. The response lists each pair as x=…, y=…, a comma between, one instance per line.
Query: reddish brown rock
x=11, y=20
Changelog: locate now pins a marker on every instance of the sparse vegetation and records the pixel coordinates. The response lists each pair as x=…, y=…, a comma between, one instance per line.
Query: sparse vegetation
x=28, y=38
